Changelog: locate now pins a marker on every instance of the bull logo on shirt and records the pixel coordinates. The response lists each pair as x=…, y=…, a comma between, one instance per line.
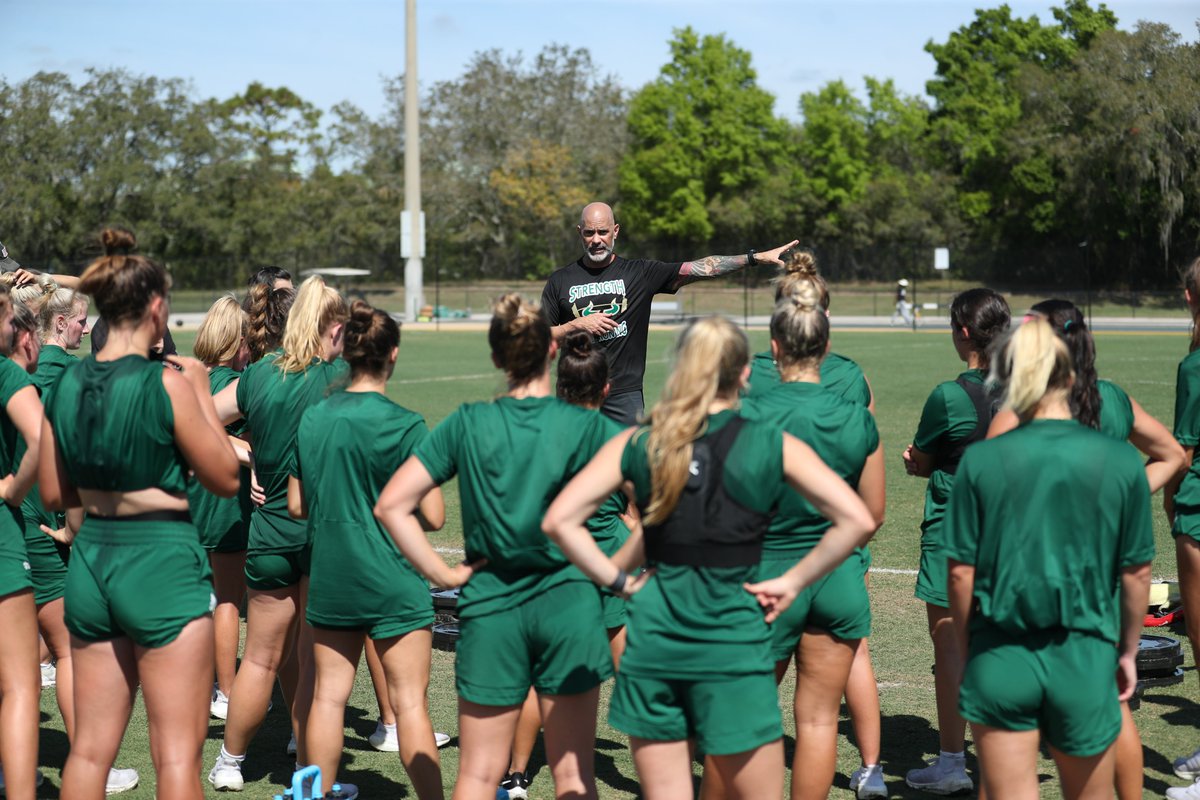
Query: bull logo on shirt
x=617, y=306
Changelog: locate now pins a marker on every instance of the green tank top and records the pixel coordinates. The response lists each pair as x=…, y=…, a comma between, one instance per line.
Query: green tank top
x=115, y=427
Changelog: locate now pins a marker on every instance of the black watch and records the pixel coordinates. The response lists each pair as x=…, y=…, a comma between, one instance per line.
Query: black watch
x=751, y=258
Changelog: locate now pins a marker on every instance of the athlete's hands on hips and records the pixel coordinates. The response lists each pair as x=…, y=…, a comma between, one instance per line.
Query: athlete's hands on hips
x=60, y=535
x=774, y=595
x=460, y=573
x=1126, y=676
x=595, y=324
x=773, y=256
x=636, y=582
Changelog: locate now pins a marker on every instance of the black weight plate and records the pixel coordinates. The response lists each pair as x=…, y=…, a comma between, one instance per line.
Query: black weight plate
x=1158, y=682
x=1158, y=653
x=445, y=636
x=444, y=599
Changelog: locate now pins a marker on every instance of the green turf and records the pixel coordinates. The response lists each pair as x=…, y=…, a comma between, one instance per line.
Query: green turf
x=437, y=371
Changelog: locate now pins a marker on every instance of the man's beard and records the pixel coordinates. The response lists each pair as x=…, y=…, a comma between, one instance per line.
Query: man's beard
x=598, y=256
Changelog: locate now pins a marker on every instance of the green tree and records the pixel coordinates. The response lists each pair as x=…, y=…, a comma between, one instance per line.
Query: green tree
x=704, y=139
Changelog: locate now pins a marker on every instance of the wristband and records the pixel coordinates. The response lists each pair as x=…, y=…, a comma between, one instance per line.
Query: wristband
x=751, y=258
x=618, y=584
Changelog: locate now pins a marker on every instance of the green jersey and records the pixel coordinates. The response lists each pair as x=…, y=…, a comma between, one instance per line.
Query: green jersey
x=842, y=434
x=606, y=525
x=53, y=361
x=839, y=375
x=1048, y=514
x=12, y=380
x=1116, y=411
x=948, y=418
x=512, y=457
x=272, y=403
x=347, y=449
x=697, y=622
x=216, y=516
x=1187, y=433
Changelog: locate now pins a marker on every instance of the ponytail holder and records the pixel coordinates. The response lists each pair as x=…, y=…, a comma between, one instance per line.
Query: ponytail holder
x=1028, y=318
x=1067, y=325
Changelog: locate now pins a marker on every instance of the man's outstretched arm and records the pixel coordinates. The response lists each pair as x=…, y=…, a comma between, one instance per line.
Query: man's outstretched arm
x=715, y=266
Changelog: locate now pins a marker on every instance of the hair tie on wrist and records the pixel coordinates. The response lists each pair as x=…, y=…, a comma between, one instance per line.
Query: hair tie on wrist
x=618, y=584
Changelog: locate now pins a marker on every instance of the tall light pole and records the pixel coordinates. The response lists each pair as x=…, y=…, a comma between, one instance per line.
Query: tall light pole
x=414, y=294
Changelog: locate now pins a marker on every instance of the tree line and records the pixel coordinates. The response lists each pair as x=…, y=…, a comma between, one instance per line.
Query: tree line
x=1048, y=154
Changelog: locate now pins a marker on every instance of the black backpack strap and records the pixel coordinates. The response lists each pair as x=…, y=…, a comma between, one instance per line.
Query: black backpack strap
x=985, y=409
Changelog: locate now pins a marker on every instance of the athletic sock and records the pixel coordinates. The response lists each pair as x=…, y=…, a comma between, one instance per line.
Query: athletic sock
x=225, y=755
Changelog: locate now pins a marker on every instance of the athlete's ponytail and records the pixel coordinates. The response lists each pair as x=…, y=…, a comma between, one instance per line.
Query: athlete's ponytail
x=123, y=284
x=1069, y=323
x=317, y=308
x=985, y=316
x=710, y=359
x=1031, y=362
x=519, y=337
x=800, y=323
x=371, y=336
x=582, y=370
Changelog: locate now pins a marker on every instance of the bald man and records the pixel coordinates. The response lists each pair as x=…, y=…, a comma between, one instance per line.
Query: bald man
x=609, y=297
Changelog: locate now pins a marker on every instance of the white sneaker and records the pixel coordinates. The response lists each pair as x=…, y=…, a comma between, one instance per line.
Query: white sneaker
x=226, y=775
x=120, y=780
x=219, y=707
x=941, y=776
x=291, y=747
x=38, y=784
x=867, y=782
x=1185, y=792
x=441, y=739
x=1188, y=767
x=384, y=738
x=49, y=675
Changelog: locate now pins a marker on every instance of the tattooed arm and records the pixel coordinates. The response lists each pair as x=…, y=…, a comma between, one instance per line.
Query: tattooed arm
x=715, y=266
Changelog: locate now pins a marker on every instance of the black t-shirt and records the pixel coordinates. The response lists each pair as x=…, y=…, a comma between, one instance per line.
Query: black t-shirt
x=623, y=290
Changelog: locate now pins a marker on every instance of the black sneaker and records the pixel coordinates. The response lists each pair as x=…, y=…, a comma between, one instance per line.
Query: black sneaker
x=515, y=784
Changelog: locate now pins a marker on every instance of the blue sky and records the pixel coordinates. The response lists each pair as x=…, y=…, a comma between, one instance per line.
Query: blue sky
x=332, y=51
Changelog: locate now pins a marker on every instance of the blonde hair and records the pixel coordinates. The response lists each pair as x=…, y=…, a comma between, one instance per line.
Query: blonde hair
x=221, y=333
x=800, y=324
x=24, y=319
x=805, y=263
x=59, y=301
x=1031, y=362
x=317, y=308
x=1191, y=282
x=519, y=337
x=710, y=357
x=29, y=294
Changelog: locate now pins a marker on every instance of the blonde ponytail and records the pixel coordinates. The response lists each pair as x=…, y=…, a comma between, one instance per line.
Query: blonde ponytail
x=317, y=307
x=800, y=323
x=1033, y=362
x=710, y=357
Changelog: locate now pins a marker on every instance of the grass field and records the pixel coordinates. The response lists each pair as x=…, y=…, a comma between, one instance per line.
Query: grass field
x=438, y=371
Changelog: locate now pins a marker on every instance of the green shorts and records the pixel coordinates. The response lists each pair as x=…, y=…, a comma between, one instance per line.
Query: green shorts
x=48, y=560
x=403, y=604
x=1062, y=683
x=612, y=609
x=836, y=604
x=932, y=576
x=725, y=715
x=1187, y=523
x=555, y=643
x=141, y=579
x=268, y=571
x=15, y=572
